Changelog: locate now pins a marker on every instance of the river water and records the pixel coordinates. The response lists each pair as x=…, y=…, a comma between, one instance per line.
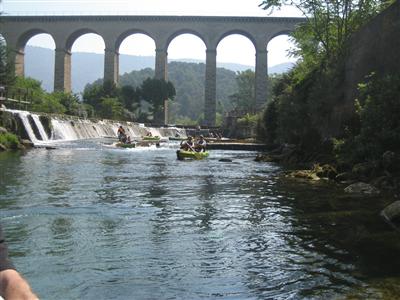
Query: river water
x=88, y=221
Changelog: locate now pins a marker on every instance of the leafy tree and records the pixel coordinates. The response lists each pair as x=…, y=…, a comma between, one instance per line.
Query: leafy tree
x=7, y=76
x=111, y=108
x=156, y=91
x=329, y=24
x=244, y=99
x=130, y=97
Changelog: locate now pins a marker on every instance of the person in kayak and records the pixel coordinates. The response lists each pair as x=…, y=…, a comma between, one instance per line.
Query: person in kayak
x=188, y=144
x=121, y=134
x=200, y=144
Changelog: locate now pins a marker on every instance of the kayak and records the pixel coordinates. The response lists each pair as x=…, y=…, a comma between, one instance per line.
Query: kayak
x=181, y=154
x=151, y=138
x=124, y=145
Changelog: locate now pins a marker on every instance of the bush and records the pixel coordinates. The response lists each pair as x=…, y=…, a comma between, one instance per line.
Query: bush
x=378, y=110
x=9, y=140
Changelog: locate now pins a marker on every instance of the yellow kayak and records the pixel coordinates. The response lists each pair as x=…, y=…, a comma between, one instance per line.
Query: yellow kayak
x=181, y=154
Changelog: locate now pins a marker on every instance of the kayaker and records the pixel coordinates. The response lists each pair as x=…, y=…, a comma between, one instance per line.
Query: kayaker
x=200, y=144
x=121, y=134
x=188, y=144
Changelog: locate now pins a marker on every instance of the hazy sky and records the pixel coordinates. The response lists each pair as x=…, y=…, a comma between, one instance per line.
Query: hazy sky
x=137, y=44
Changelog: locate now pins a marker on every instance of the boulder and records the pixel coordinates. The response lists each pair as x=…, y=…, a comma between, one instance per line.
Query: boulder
x=325, y=171
x=391, y=213
x=361, y=188
x=2, y=148
x=305, y=174
x=3, y=130
x=344, y=176
x=365, y=170
x=27, y=143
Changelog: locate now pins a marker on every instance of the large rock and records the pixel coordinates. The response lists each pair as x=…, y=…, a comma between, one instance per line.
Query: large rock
x=365, y=170
x=3, y=130
x=361, y=188
x=391, y=213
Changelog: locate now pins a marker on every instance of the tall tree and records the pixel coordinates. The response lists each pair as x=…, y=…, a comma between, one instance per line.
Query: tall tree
x=330, y=23
x=244, y=99
x=156, y=91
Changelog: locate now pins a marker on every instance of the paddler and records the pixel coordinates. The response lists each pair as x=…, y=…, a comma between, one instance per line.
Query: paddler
x=188, y=144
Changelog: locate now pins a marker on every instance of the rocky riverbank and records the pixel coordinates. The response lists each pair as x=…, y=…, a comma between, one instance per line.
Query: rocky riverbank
x=370, y=177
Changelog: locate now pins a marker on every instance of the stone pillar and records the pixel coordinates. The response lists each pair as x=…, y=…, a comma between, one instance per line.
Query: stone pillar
x=161, y=64
x=210, y=88
x=161, y=73
x=19, y=62
x=111, y=65
x=261, y=78
x=62, y=70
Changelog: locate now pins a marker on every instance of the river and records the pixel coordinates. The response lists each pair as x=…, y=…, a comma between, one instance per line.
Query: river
x=89, y=221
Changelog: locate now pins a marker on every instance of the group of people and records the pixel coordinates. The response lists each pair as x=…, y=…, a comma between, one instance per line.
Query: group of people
x=191, y=145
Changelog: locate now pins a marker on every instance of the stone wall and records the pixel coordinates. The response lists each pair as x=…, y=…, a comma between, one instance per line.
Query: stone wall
x=374, y=48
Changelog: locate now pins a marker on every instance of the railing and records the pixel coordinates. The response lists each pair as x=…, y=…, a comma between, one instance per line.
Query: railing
x=16, y=97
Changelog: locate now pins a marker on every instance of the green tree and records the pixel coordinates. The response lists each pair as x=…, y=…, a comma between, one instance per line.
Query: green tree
x=329, y=24
x=156, y=91
x=111, y=108
x=244, y=99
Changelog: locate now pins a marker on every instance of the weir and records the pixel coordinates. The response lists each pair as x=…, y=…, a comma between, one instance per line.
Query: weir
x=66, y=128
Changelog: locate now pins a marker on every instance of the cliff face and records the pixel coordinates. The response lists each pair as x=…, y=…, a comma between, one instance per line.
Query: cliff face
x=374, y=48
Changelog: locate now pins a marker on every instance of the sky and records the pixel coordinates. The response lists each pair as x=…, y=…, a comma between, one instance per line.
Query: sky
x=139, y=44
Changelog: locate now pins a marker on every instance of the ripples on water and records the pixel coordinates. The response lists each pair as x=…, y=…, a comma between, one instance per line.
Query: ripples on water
x=86, y=221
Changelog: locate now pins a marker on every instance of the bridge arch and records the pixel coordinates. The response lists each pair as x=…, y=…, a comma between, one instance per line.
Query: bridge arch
x=76, y=35
x=19, y=50
x=128, y=33
x=174, y=35
x=238, y=32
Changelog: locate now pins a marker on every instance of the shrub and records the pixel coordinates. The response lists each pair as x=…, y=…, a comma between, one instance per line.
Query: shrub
x=9, y=140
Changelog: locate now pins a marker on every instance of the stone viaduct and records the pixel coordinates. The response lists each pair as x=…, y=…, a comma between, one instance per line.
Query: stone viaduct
x=17, y=30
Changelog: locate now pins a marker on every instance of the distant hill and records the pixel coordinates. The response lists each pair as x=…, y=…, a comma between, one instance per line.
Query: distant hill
x=39, y=64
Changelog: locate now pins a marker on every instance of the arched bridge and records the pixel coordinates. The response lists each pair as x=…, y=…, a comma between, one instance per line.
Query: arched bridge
x=17, y=30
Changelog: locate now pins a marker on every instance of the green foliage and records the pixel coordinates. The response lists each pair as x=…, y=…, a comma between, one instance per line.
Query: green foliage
x=156, y=91
x=9, y=140
x=111, y=108
x=188, y=79
x=378, y=110
x=248, y=120
x=330, y=24
x=49, y=104
x=244, y=99
x=7, y=76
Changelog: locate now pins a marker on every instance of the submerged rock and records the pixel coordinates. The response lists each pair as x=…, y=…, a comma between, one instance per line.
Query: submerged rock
x=225, y=160
x=361, y=188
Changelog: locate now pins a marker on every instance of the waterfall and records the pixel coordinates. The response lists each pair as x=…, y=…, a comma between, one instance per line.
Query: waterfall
x=40, y=127
x=68, y=128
